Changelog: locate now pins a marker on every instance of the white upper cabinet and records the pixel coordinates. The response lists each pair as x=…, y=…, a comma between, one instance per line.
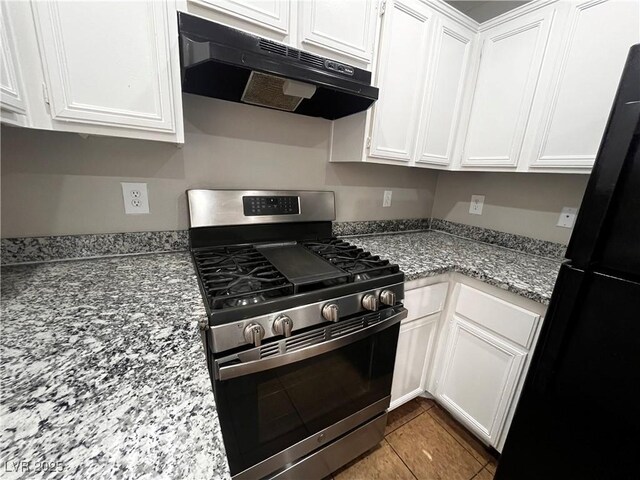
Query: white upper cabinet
x=510, y=63
x=338, y=29
x=452, y=46
x=12, y=96
x=104, y=68
x=403, y=52
x=270, y=18
x=595, y=46
x=338, y=26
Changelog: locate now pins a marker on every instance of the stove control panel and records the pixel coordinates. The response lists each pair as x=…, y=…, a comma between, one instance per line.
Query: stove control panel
x=271, y=205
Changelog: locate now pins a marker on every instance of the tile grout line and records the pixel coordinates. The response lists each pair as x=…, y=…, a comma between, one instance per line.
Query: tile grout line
x=402, y=425
x=398, y=455
x=458, y=442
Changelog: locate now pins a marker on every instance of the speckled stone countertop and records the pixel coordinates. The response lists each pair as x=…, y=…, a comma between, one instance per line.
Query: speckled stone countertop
x=103, y=373
x=425, y=254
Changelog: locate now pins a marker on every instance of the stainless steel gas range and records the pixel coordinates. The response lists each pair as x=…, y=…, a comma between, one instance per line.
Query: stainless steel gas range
x=302, y=331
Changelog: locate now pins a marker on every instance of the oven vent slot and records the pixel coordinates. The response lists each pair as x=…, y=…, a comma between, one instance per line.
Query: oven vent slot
x=311, y=338
x=269, y=350
x=345, y=328
x=339, y=329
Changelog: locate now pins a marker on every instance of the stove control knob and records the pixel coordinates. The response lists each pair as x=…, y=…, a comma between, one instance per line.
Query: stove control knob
x=370, y=302
x=387, y=297
x=254, y=333
x=282, y=326
x=330, y=312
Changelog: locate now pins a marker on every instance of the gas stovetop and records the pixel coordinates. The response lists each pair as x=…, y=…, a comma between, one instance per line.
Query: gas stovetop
x=242, y=278
x=269, y=267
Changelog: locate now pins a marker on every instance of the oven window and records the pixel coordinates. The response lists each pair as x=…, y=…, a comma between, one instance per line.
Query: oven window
x=264, y=413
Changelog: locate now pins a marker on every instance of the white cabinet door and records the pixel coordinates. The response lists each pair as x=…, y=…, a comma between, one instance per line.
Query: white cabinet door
x=510, y=63
x=403, y=52
x=452, y=45
x=479, y=378
x=108, y=63
x=415, y=347
x=337, y=26
x=596, y=44
x=12, y=97
x=270, y=15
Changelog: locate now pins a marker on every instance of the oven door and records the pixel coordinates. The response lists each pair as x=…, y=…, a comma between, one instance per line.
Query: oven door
x=302, y=392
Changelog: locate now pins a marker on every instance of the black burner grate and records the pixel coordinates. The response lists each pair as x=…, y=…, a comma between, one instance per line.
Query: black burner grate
x=354, y=260
x=237, y=276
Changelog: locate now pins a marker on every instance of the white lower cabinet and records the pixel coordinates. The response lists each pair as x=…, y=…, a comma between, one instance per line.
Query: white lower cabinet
x=479, y=378
x=417, y=341
x=471, y=355
x=415, y=346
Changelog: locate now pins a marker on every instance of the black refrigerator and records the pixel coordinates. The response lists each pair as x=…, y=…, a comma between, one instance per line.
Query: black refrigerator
x=579, y=413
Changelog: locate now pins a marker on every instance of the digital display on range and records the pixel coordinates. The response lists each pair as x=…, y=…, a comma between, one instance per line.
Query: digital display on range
x=255, y=206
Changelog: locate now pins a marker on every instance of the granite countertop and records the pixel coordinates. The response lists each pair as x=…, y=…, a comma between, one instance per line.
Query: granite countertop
x=103, y=371
x=429, y=253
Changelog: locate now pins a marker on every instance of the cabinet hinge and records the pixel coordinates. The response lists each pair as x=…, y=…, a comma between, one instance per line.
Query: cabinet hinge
x=368, y=142
x=45, y=93
x=383, y=6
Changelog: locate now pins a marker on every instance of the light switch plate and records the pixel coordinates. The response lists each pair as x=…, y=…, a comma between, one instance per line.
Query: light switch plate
x=477, y=202
x=386, y=200
x=136, y=198
x=567, y=217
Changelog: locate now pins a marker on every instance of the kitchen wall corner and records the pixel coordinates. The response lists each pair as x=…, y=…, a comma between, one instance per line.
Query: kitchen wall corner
x=521, y=203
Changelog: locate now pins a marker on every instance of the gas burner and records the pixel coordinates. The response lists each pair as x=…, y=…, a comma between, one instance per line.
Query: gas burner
x=238, y=276
x=241, y=292
x=354, y=260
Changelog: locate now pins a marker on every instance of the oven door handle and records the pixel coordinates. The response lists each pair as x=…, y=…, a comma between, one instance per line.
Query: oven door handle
x=240, y=369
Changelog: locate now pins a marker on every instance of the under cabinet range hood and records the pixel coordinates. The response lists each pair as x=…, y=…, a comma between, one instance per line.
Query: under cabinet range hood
x=222, y=62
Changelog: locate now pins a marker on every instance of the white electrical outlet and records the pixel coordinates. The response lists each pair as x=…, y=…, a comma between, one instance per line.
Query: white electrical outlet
x=477, y=202
x=567, y=217
x=136, y=199
x=386, y=200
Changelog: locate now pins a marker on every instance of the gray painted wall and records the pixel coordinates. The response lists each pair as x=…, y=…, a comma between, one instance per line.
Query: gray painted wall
x=522, y=203
x=57, y=183
x=481, y=11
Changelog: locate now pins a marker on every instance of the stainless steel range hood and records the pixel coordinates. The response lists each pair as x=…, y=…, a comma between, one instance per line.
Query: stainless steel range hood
x=222, y=62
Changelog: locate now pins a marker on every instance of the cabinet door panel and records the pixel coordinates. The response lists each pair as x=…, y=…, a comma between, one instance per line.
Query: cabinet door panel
x=270, y=14
x=108, y=62
x=401, y=77
x=479, y=378
x=347, y=28
x=444, y=92
x=415, y=347
x=510, y=64
x=12, y=99
x=596, y=45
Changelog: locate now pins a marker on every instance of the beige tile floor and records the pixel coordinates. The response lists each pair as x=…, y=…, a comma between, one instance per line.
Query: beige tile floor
x=422, y=442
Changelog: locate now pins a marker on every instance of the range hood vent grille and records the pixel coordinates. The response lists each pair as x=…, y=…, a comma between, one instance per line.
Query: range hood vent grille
x=284, y=51
x=311, y=59
x=273, y=47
